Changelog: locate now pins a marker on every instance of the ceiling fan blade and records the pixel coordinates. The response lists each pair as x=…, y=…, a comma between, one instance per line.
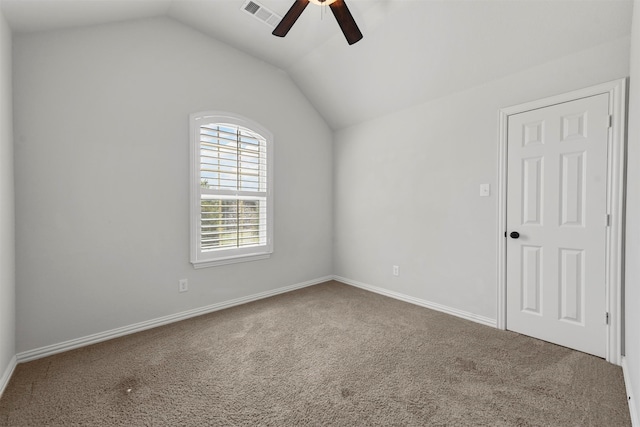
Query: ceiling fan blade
x=346, y=21
x=290, y=18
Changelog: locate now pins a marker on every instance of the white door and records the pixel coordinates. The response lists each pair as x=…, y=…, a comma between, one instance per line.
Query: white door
x=556, y=202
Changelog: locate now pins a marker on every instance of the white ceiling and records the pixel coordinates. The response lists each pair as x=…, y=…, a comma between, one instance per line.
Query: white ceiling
x=412, y=50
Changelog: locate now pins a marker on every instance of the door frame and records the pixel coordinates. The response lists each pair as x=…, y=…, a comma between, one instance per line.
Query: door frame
x=614, y=254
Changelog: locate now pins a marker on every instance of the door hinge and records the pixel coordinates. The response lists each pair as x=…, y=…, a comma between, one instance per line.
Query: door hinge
x=610, y=120
x=607, y=220
x=606, y=318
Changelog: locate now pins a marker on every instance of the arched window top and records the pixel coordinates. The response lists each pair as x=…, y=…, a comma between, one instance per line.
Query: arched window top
x=231, y=119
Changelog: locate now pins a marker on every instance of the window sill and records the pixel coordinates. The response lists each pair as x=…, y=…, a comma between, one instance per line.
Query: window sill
x=232, y=260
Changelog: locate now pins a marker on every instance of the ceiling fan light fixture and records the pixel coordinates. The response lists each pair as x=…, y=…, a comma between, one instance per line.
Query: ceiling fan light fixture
x=338, y=8
x=322, y=2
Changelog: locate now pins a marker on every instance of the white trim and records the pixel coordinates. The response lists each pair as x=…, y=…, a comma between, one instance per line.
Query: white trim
x=633, y=411
x=417, y=301
x=49, y=350
x=501, y=314
x=615, y=199
x=230, y=260
x=6, y=376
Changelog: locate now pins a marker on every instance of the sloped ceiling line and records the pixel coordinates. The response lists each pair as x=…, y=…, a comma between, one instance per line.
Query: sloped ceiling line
x=413, y=50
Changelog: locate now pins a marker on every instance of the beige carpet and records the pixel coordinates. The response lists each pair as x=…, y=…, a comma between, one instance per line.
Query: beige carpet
x=330, y=354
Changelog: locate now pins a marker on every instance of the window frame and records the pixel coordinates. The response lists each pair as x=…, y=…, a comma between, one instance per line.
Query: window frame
x=204, y=259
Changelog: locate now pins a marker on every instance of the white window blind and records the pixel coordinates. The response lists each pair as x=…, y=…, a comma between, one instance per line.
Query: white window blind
x=233, y=195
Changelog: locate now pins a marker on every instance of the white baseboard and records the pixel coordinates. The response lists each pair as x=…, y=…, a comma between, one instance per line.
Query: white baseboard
x=417, y=301
x=49, y=350
x=6, y=376
x=633, y=410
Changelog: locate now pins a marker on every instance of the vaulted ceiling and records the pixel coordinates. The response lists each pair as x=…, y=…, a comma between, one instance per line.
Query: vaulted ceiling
x=412, y=50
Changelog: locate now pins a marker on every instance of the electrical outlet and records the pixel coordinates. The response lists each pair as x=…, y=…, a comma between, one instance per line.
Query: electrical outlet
x=396, y=270
x=183, y=285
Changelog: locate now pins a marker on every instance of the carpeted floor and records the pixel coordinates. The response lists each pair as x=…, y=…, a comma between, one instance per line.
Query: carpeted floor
x=329, y=354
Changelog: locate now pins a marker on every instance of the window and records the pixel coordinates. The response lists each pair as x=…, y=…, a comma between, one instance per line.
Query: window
x=231, y=190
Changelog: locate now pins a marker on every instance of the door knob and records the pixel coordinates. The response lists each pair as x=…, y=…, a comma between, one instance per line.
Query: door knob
x=514, y=234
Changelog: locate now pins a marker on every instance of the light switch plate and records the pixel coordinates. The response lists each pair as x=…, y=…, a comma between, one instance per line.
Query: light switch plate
x=485, y=190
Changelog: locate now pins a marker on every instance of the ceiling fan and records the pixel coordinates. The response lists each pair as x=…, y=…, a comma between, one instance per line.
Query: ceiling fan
x=339, y=9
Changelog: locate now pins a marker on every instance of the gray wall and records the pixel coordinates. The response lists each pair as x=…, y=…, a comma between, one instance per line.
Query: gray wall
x=406, y=186
x=102, y=179
x=632, y=277
x=7, y=240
